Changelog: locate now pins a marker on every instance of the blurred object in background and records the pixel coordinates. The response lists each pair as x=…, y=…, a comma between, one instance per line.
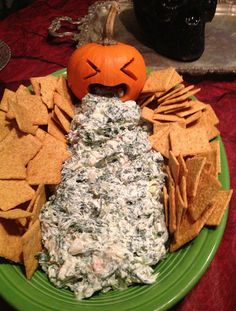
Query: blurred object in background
x=5, y=54
x=219, y=34
x=89, y=28
x=175, y=28
x=9, y=6
x=226, y=7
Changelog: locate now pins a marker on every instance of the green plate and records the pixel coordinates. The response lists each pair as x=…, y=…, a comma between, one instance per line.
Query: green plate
x=178, y=273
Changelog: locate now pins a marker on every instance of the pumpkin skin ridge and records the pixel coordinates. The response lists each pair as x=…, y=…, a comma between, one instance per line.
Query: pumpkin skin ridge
x=113, y=57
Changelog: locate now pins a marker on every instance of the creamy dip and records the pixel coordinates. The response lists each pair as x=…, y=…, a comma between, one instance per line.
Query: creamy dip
x=104, y=227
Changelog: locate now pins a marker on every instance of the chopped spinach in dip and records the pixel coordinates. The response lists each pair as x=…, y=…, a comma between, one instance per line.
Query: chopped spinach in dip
x=104, y=227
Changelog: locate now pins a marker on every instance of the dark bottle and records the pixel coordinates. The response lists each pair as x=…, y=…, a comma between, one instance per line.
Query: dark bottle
x=175, y=28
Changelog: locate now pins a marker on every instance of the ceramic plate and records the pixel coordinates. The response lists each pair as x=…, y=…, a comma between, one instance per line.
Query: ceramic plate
x=178, y=273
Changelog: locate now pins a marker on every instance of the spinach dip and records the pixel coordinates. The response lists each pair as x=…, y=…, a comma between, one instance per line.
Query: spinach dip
x=104, y=227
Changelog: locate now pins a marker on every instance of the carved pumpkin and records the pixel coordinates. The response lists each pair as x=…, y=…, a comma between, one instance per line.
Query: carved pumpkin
x=108, y=64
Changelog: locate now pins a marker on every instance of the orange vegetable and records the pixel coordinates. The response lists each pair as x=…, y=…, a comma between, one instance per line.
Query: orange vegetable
x=108, y=64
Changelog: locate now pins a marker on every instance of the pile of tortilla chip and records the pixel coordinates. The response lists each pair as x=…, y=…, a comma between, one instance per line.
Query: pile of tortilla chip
x=184, y=130
x=33, y=148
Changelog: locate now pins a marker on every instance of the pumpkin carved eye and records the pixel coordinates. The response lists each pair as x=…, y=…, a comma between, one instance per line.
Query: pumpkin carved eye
x=94, y=68
x=128, y=72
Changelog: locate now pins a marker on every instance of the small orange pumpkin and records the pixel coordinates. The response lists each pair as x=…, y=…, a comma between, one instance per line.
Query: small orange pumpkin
x=108, y=64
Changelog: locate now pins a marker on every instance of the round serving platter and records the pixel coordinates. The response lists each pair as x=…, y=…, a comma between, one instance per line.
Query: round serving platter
x=178, y=273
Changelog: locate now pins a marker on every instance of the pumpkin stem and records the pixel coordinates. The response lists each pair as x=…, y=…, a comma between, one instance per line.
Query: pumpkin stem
x=109, y=25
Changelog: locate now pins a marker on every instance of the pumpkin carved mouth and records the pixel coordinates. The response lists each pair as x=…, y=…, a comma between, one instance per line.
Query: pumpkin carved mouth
x=108, y=91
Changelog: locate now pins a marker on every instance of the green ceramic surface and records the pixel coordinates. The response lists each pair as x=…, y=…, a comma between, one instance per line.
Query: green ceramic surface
x=178, y=273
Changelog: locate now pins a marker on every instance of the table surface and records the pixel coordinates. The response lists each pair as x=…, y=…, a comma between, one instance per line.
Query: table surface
x=34, y=54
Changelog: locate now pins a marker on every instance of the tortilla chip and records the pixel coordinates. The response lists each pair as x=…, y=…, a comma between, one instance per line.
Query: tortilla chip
x=172, y=210
x=147, y=100
x=147, y=114
x=183, y=171
x=4, y=101
x=195, y=107
x=28, y=148
x=211, y=157
x=172, y=108
x=159, y=126
x=64, y=120
x=24, y=119
x=181, y=207
x=11, y=167
x=55, y=118
x=160, y=141
x=170, y=180
x=170, y=93
x=14, y=134
x=189, y=229
x=143, y=96
x=40, y=200
x=221, y=202
x=48, y=86
x=166, y=117
x=45, y=167
x=167, y=75
x=13, y=193
x=174, y=80
x=158, y=80
x=211, y=115
x=55, y=130
x=10, y=114
x=166, y=205
x=180, y=98
x=40, y=134
x=183, y=189
x=177, y=91
x=193, y=117
x=189, y=141
x=151, y=84
x=10, y=240
x=5, y=126
x=207, y=167
x=59, y=147
x=208, y=187
x=195, y=167
x=31, y=245
x=174, y=167
x=62, y=87
x=211, y=130
x=24, y=221
x=22, y=90
x=50, y=170
x=37, y=109
x=64, y=104
x=215, y=145
x=35, y=85
x=23, y=147
x=15, y=213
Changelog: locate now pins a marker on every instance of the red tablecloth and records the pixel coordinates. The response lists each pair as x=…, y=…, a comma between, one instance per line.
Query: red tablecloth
x=33, y=54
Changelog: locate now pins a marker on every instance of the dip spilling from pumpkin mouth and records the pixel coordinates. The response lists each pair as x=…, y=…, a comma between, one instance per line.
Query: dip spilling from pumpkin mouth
x=109, y=91
x=104, y=228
